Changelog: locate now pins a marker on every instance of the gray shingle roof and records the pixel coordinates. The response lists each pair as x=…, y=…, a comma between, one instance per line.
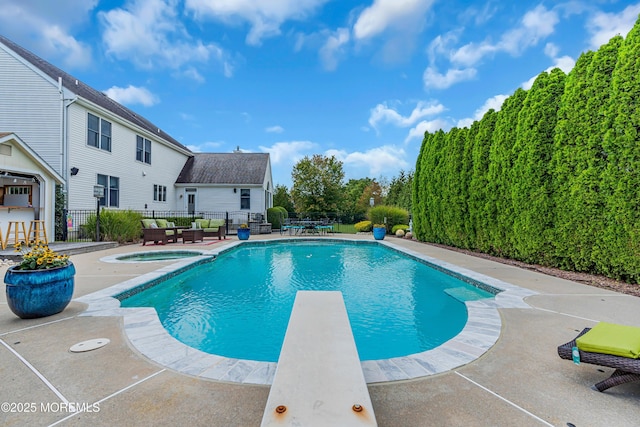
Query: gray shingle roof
x=225, y=168
x=87, y=92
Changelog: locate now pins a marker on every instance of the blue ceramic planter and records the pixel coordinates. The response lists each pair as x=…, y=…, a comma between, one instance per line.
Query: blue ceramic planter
x=39, y=293
x=244, y=233
x=379, y=233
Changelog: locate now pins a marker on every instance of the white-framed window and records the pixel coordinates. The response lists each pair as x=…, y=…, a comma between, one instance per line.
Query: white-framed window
x=98, y=132
x=245, y=198
x=159, y=193
x=143, y=149
x=111, y=186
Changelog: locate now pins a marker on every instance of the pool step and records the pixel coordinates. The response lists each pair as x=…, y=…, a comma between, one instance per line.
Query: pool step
x=468, y=294
x=319, y=379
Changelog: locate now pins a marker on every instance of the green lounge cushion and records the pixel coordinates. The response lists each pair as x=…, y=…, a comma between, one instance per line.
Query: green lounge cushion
x=216, y=223
x=148, y=222
x=202, y=223
x=613, y=339
x=162, y=223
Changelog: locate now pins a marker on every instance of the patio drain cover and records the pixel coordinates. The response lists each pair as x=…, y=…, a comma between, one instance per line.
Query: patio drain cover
x=89, y=345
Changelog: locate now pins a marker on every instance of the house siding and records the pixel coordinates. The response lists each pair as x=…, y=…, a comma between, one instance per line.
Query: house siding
x=30, y=107
x=136, y=189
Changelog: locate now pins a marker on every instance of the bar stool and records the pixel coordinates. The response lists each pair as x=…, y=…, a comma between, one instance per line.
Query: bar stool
x=38, y=229
x=16, y=232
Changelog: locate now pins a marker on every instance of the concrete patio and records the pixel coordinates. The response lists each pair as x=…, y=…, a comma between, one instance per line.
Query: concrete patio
x=519, y=381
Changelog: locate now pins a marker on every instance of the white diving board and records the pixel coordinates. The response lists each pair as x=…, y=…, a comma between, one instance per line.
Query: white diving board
x=319, y=379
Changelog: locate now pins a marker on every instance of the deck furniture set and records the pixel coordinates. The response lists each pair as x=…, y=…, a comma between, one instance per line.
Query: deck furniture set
x=161, y=231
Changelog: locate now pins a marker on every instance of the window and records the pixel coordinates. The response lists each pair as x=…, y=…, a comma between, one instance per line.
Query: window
x=245, y=198
x=143, y=150
x=111, y=186
x=159, y=193
x=98, y=133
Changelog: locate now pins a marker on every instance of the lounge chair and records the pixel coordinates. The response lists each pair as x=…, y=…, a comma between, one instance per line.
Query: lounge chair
x=627, y=369
x=158, y=231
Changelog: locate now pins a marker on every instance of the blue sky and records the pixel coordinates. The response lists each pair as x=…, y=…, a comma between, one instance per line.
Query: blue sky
x=361, y=80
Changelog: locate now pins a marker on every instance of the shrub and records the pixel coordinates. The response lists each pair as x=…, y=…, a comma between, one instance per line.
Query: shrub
x=393, y=214
x=115, y=226
x=275, y=215
x=363, y=226
x=397, y=227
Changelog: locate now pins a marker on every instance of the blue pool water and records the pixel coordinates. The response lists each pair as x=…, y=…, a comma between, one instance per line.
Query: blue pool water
x=238, y=306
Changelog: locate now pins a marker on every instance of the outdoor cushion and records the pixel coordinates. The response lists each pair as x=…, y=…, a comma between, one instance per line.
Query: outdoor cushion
x=171, y=224
x=202, y=223
x=162, y=223
x=153, y=225
x=147, y=222
x=610, y=338
x=216, y=222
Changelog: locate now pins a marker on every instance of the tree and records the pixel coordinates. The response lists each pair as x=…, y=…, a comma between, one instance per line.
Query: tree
x=400, y=190
x=281, y=197
x=501, y=159
x=531, y=192
x=317, y=184
x=352, y=191
x=621, y=177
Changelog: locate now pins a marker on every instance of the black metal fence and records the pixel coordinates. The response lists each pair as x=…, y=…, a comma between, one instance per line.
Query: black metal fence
x=71, y=226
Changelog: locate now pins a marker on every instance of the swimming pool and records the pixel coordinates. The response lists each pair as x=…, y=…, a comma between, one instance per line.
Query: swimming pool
x=238, y=306
x=148, y=336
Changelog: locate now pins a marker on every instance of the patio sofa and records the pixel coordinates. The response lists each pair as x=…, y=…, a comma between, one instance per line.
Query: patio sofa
x=212, y=227
x=158, y=231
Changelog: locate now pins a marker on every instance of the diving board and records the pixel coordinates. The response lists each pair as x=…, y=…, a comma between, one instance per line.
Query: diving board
x=319, y=379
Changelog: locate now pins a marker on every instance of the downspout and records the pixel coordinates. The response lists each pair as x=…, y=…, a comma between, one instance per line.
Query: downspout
x=64, y=152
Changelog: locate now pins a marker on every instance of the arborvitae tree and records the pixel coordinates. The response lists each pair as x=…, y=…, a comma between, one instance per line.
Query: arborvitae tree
x=437, y=203
x=572, y=128
x=533, y=219
x=590, y=199
x=621, y=178
x=501, y=158
x=478, y=215
x=430, y=196
x=419, y=210
x=454, y=216
x=469, y=236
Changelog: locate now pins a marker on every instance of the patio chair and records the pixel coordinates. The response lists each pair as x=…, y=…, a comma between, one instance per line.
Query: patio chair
x=627, y=369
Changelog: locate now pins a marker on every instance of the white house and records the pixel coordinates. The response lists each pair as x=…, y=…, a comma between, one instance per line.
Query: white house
x=88, y=139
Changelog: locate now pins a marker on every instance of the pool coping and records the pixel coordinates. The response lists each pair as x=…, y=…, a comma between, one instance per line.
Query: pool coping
x=147, y=335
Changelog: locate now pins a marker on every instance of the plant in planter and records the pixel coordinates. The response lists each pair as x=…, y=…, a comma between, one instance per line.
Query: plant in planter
x=379, y=231
x=244, y=232
x=41, y=284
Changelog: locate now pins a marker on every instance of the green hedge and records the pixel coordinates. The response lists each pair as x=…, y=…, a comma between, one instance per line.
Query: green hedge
x=275, y=215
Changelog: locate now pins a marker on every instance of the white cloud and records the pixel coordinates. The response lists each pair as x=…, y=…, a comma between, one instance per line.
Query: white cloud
x=535, y=25
x=384, y=14
x=494, y=103
x=149, y=34
x=334, y=48
x=418, y=131
x=288, y=152
x=132, y=95
x=264, y=16
x=377, y=160
x=45, y=27
x=382, y=113
x=193, y=74
x=274, y=129
x=604, y=26
x=434, y=80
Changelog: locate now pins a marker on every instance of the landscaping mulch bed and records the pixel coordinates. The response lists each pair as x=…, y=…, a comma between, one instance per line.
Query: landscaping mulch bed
x=584, y=278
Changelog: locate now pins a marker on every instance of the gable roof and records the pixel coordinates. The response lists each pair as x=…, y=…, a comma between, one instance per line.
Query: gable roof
x=225, y=168
x=87, y=92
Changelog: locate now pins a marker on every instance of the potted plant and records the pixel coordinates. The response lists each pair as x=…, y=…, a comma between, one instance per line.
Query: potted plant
x=379, y=230
x=41, y=284
x=244, y=232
